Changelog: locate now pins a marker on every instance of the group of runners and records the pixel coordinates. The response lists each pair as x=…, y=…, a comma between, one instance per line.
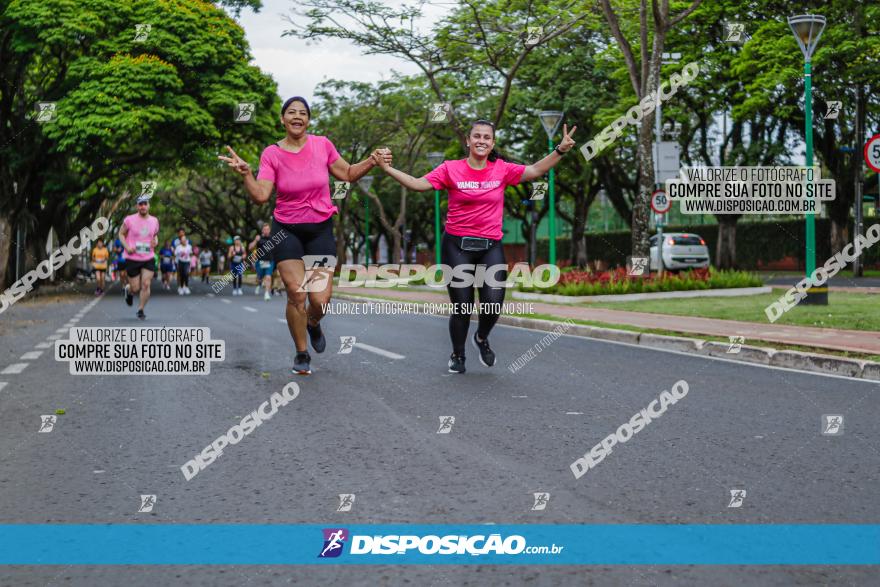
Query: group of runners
x=297, y=169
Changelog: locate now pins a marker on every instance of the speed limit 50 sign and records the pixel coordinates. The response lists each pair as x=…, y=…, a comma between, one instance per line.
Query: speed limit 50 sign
x=872, y=153
x=660, y=202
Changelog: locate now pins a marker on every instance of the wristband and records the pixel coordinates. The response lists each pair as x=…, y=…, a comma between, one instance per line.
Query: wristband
x=560, y=153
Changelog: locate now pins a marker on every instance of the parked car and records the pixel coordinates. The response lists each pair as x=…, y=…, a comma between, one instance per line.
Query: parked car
x=681, y=250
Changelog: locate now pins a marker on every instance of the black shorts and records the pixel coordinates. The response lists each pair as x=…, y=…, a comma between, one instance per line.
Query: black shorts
x=308, y=238
x=133, y=268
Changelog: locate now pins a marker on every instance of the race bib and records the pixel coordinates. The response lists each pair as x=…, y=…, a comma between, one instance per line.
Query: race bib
x=265, y=264
x=166, y=260
x=142, y=247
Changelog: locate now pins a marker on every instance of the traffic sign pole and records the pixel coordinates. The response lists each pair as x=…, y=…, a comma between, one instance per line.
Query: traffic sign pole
x=660, y=204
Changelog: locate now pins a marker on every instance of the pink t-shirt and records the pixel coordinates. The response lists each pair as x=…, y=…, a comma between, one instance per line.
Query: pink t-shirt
x=302, y=181
x=140, y=236
x=476, y=196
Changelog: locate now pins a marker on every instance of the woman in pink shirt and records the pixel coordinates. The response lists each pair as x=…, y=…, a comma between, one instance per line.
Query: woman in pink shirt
x=298, y=169
x=473, y=227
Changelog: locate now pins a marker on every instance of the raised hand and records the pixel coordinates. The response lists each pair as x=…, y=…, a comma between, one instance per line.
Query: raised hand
x=567, y=142
x=238, y=164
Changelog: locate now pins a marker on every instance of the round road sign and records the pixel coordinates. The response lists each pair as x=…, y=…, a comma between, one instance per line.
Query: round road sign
x=660, y=203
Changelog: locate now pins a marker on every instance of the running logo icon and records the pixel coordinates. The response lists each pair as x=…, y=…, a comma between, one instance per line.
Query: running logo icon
x=446, y=423
x=346, y=500
x=47, y=423
x=244, y=112
x=45, y=111
x=147, y=503
x=539, y=189
x=637, y=266
x=340, y=190
x=334, y=541
x=736, y=343
x=147, y=189
x=319, y=271
x=833, y=110
x=734, y=32
x=737, y=496
x=541, y=501
x=346, y=345
x=533, y=35
x=440, y=112
x=832, y=424
x=141, y=32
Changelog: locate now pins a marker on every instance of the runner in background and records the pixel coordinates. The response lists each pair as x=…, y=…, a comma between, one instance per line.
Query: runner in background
x=205, y=258
x=100, y=256
x=140, y=235
x=236, y=256
x=119, y=263
x=183, y=254
x=265, y=266
x=194, y=260
x=166, y=264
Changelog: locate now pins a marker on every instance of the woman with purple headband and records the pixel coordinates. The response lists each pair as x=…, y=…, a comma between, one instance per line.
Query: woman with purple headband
x=298, y=169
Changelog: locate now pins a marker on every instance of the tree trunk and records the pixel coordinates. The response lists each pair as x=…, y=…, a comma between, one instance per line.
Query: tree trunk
x=839, y=235
x=725, y=249
x=641, y=206
x=7, y=257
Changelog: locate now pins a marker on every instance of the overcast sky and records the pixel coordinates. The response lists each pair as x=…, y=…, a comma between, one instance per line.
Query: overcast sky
x=299, y=68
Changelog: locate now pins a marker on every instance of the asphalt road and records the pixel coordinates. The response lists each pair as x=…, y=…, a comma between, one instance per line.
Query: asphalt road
x=366, y=423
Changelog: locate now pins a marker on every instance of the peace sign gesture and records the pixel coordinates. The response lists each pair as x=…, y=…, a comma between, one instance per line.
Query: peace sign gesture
x=235, y=162
x=567, y=142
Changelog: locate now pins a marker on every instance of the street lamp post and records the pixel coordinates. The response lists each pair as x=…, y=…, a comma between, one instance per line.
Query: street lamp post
x=550, y=120
x=434, y=160
x=364, y=183
x=807, y=29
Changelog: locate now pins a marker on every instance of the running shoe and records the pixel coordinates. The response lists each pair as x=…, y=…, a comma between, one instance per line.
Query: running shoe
x=456, y=363
x=319, y=343
x=267, y=296
x=141, y=315
x=129, y=298
x=301, y=364
x=186, y=291
x=487, y=357
x=257, y=291
x=180, y=291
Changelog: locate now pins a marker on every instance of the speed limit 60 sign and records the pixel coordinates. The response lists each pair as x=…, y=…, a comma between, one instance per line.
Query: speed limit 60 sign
x=660, y=202
x=872, y=153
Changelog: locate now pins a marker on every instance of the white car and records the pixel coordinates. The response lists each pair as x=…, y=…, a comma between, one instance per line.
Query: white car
x=681, y=250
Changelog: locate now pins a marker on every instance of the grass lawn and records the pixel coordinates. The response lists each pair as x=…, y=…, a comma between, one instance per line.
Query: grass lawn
x=851, y=311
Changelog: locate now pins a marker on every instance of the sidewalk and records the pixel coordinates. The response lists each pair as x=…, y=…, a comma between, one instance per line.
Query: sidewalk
x=859, y=341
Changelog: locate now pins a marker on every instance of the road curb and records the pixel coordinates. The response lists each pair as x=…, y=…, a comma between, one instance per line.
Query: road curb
x=812, y=362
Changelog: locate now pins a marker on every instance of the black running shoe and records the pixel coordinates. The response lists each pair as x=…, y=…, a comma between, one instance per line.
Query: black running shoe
x=456, y=363
x=487, y=357
x=141, y=315
x=319, y=343
x=301, y=364
x=129, y=297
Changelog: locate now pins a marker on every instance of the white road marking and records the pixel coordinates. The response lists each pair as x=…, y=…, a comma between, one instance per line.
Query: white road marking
x=61, y=330
x=249, y=309
x=54, y=337
x=282, y=320
x=574, y=413
x=31, y=355
x=378, y=351
x=44, y=345
x=210, y=295
x=519, y=396
x=15, y=368
x=225, y=301
x=2, y=384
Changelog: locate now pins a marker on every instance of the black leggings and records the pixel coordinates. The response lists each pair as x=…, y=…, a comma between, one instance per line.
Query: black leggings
x=183, y=274
x=459, y=321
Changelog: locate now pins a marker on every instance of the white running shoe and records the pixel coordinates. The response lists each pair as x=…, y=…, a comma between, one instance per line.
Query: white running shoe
x=186, y=291
x=267, y=296
x=257, y=291
x=180, y=291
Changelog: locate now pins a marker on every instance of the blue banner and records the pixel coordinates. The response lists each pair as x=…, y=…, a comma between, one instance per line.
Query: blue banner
x=524, y=544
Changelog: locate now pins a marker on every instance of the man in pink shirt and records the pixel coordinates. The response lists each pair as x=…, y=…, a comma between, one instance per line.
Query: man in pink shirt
x=473, y=227
x=140, y=235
